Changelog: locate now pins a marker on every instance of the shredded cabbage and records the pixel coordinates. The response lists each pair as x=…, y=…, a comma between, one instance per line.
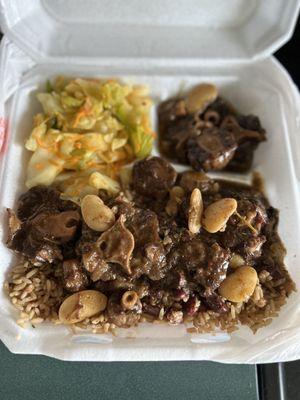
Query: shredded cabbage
x=86, y=124
x=101, y=181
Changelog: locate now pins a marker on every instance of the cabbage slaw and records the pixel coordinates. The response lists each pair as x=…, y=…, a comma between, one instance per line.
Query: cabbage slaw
x=88, y=126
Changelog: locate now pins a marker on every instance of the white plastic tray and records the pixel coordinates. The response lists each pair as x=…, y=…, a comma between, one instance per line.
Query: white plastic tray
x=55, y=38
x=263, y=89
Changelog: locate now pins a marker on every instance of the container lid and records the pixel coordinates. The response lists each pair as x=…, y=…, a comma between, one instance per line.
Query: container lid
x=52, y=30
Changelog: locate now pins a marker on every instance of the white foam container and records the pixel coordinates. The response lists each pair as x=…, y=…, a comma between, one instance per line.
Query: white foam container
x=169, y=46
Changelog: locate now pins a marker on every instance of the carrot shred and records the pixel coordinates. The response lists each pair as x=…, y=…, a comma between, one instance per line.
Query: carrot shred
x=39, y=166
x=42, y=144
x=54, y=162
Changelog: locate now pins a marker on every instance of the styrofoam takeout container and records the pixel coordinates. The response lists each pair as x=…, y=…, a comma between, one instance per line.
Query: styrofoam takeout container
x=170, y=46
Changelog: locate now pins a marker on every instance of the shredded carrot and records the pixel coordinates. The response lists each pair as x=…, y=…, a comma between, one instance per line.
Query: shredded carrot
x=74, y=160
x=81, y=185
x=74, y=193
x=92, y=164
x=55, y=147
x=39, y=166
x=114, y=171
x=92, y=148
x=78, y=117
x=59, y=154
x=78, y=145
x=84, y=110
x=54, y=162
x=42, y=144
x=137, y=147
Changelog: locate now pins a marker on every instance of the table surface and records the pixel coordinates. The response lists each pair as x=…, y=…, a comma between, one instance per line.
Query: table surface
x=31, y=377
x=37, y=377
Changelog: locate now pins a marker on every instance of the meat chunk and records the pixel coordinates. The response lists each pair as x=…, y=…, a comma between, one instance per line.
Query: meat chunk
x=151, y=310
x=28, y=241
x=120, y=317
x=42, y=199
x=150, y=261
x=222, y=107
x=252, y=123
x=271, y=221
x=211, y=150
x=248, y=133
x=88, y=237
x=273, y=251
x=156, y=257
x=143, y=224
x=207, y=265
x=254, y=212
x=212, y=138
x=190, y=180
x=45, y=222
x=60, y=227
x=149, y=255
x=153, y=177
x=175, y=136
x=190, y=252
x=122, y=206
x=95, y=264
x=171, y=109
x=100, y=253
x=117, y=244
x=214, y=302
x=244, y=236
x=43, y=253
x=214, y=271
x=39, y=238
x=176, y=126
x=75, y=279
x=175, y=317
x=192, y=305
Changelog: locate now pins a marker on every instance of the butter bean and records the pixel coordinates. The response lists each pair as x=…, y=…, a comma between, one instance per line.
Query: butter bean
x=200, y=97
x=195, y=211
x=81, y=305
x=240, y=285
x=217, y=214
x=96, y=214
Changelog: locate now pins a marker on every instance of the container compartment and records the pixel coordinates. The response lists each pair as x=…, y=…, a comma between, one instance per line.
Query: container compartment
x=170, y=48
x=262, y=89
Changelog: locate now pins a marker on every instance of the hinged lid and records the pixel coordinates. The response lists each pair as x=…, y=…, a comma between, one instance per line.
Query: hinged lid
x=52, y=30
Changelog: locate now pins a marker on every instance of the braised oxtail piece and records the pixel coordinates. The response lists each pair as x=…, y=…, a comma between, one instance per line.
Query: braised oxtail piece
x=204, y=130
